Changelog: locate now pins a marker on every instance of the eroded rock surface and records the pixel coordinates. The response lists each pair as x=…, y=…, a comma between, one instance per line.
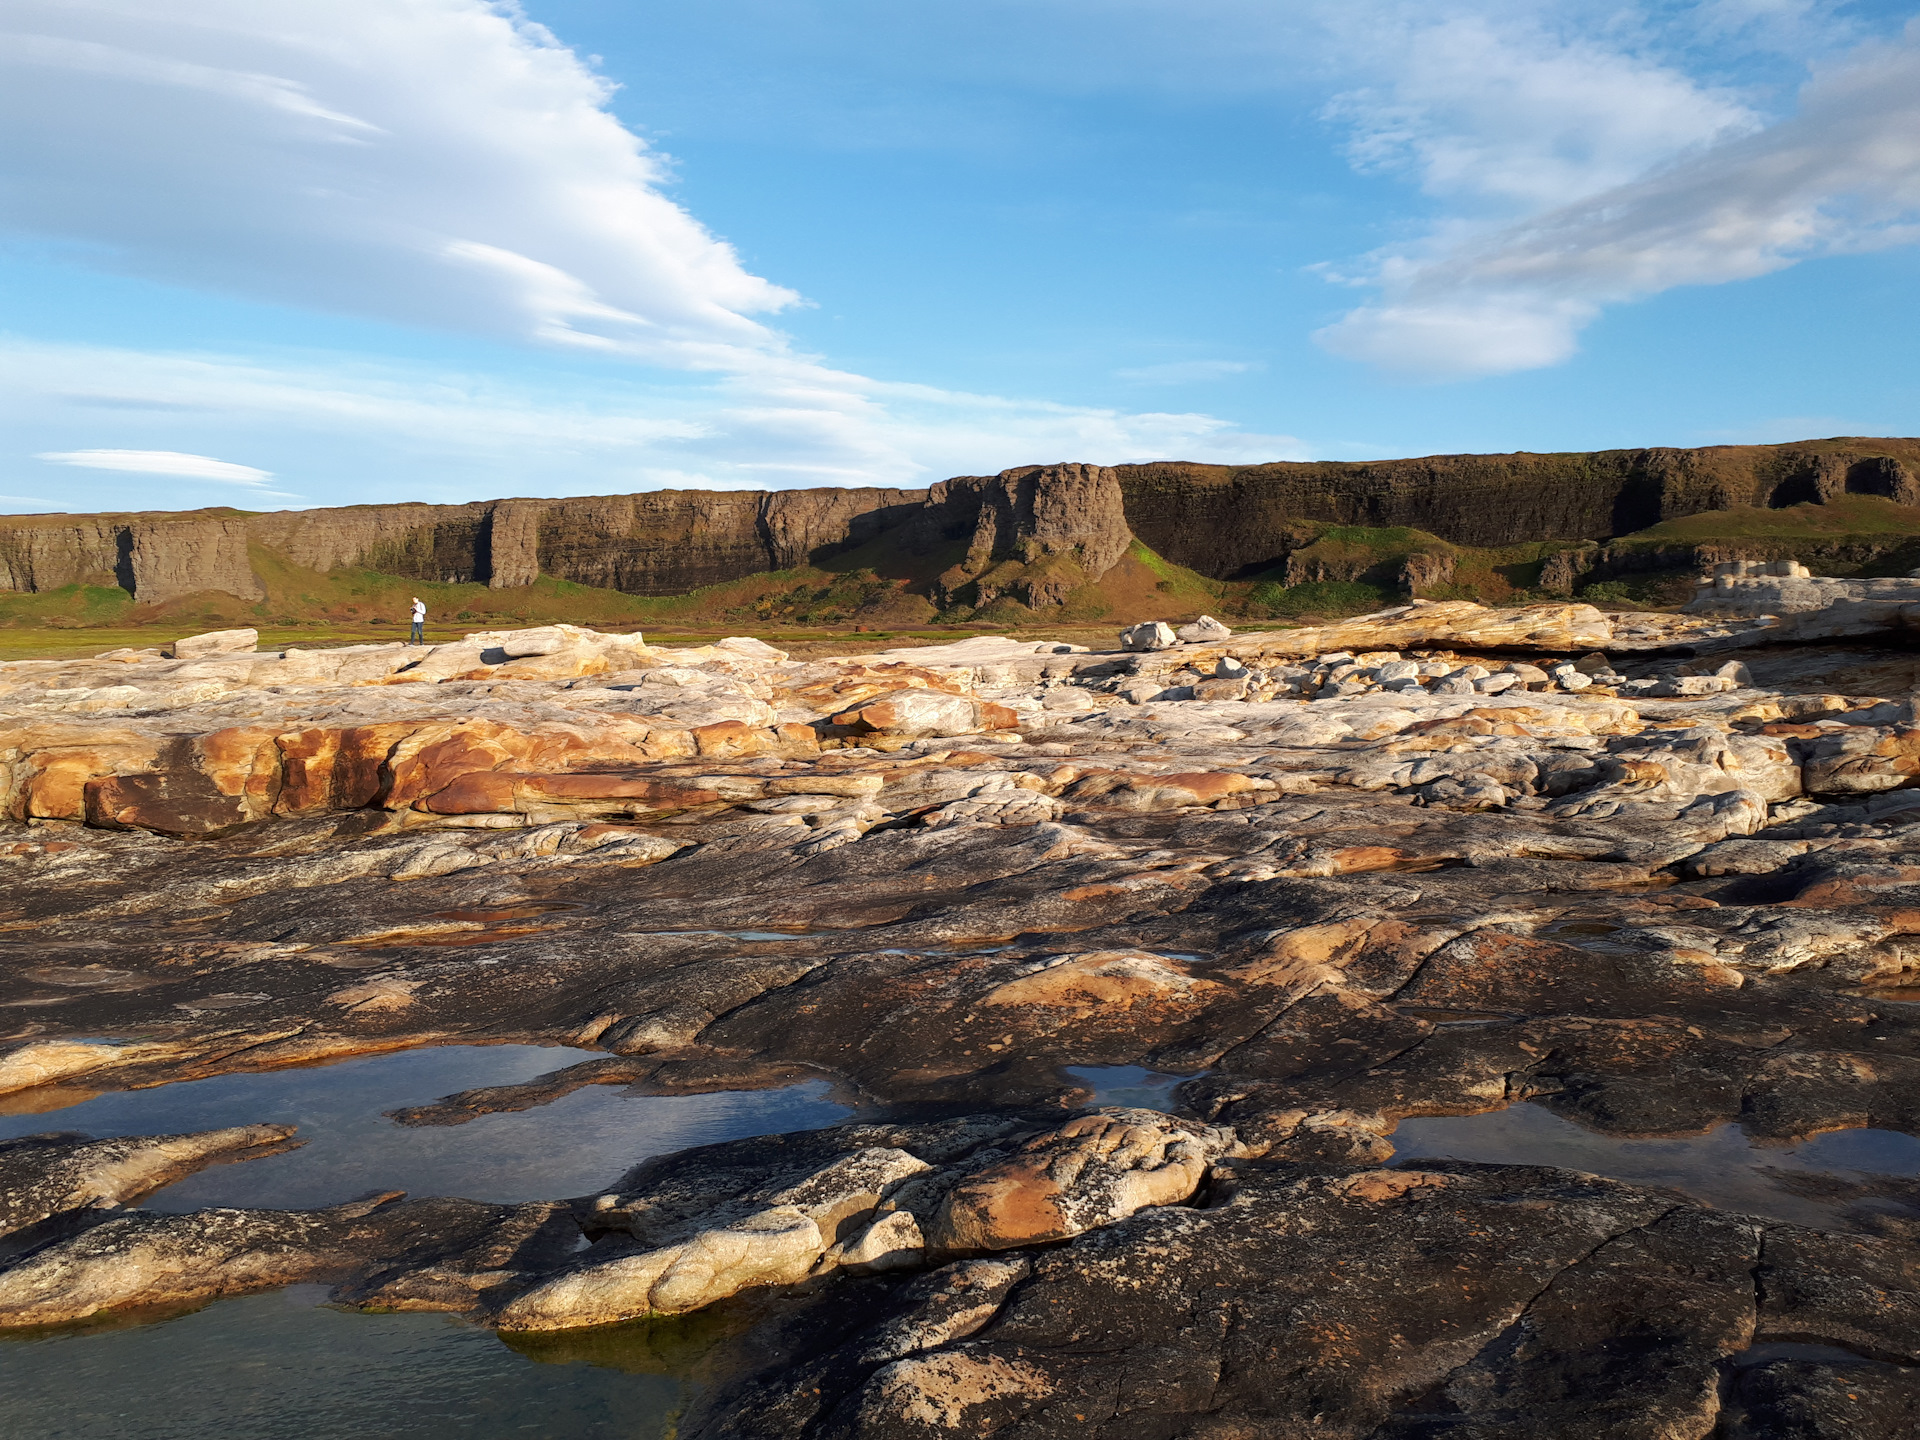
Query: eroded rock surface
x=1439, y=862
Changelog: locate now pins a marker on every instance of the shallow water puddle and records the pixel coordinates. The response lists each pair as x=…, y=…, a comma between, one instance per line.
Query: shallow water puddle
x=1132, y=1085
x=572, y=1146
x=285, y=1364
x=1831, y=1181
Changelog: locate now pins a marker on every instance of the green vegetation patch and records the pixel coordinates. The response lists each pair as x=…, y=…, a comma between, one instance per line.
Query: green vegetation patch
x=1838, y=518
x=1320, y=597
x=68, y=607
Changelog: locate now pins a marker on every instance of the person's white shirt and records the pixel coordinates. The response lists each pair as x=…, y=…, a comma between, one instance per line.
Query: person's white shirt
x=419, y=611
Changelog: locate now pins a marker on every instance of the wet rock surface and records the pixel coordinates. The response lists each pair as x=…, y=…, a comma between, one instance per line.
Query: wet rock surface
x=1337, y=879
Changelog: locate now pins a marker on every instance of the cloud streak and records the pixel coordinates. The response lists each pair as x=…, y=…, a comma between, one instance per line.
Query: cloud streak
x=160, y=462
x=415, y=432
x=1841, y=175
x=439, y=162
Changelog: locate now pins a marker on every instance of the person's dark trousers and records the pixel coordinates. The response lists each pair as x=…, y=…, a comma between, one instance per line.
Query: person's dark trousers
x=416, y=638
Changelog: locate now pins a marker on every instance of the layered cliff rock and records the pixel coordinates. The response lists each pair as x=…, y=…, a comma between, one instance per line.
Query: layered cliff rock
x=149, y=556
x=1031, y=534
x=1036, y=533
x=1229, y=520
x=661, y=543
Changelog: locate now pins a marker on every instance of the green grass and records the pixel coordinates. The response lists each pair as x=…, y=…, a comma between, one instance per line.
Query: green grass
x=1322, y=597
x=1844, y=515
x=68, y=607
x=1391, y=539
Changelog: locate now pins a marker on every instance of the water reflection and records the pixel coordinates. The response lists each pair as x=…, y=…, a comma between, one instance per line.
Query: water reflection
x=571, y=1146
x=285, y=1365
x=1132, y=1085
x=1832, y=1181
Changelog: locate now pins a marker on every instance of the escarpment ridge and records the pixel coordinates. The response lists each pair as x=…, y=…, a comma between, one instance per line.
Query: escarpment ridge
x=1032, y=533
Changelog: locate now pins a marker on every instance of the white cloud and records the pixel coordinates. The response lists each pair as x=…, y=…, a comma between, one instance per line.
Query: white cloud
x=1841, y=175
x=160, y=462
x=374, y=432
x=1508, y=111
x=443, y=162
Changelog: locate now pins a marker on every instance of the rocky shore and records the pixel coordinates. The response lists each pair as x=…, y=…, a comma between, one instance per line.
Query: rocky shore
x=1642, y=871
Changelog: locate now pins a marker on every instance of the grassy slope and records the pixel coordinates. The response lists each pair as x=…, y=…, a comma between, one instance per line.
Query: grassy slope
x=1866, y=517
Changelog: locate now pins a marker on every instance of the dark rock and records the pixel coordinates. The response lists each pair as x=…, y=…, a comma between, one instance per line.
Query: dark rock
x=1423, y=572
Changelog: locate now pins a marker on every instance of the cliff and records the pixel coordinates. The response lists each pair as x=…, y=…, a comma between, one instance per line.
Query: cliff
x=149, y=556
x=1225, y=521
x=1032, y=533
x=664, y=542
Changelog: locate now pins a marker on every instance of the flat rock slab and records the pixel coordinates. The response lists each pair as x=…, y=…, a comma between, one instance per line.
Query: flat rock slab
x=1002, y=896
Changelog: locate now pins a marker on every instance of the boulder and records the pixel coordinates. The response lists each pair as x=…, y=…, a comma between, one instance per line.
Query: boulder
x=1090, y=1172
x=774, y=1235
x=1204, y=631
x=927, y=712
x=746, y=646
x=1448, y=624
x=1232, y=689
x=215, y=642
x=1149, y=635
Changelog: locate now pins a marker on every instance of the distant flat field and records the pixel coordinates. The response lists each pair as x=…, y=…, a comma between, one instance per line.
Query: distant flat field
x=67, y=643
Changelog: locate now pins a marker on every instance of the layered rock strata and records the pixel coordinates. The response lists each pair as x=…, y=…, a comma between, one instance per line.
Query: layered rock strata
x=1336, y=880
x=1032, y=532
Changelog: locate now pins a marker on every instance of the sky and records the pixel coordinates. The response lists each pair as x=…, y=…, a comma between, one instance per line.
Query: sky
x=325, y=252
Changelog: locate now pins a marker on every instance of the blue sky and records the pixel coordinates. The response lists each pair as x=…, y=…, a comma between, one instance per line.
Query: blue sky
x=332, y=251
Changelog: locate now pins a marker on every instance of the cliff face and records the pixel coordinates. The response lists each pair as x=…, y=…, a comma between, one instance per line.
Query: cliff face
x=662, y=543
x=422, y=542
x=1032, y=533
x=151, y=557
x=1224, y=520
x=1036, y=532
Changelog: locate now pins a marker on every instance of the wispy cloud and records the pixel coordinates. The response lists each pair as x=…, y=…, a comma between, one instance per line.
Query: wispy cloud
x=387, y=431
x=160, y=462
x=445, y=162
x=1693, y=189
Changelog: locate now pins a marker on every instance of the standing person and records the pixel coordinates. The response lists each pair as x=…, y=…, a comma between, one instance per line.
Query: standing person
x=419, y=622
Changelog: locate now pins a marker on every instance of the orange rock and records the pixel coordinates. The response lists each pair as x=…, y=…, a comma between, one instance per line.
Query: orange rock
x=243, y=762
x=506, y=791
x=1209, y=785
x=434, y=756
x=480, y=793
x=1090, y=1172
x=726, y=739
x=1103, y=979
x=336, y=769
x=196, y=787
x=1355, y=859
